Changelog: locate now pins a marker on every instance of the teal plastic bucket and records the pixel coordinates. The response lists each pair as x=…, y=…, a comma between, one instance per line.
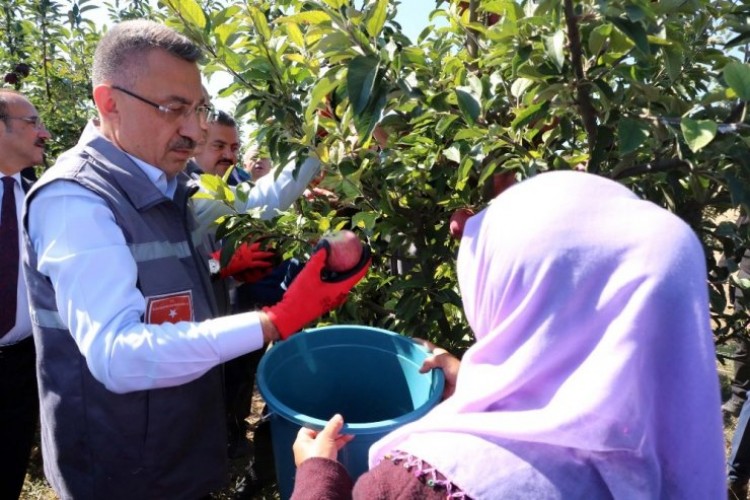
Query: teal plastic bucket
x=368, y=375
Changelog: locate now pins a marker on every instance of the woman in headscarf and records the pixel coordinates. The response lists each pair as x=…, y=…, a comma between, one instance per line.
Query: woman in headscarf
x=593, y=373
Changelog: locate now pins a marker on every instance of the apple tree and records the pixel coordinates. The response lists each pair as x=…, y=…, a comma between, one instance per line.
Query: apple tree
x=652, y=94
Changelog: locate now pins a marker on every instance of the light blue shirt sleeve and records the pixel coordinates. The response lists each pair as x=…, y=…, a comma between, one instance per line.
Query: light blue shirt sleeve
x=83, y=251
x=272, y=193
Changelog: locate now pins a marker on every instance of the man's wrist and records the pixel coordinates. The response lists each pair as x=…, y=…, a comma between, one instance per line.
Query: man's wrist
x=270, y=332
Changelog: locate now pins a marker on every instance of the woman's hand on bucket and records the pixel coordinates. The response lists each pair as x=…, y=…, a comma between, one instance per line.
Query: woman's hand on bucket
x=445, y=361
x=320, y=444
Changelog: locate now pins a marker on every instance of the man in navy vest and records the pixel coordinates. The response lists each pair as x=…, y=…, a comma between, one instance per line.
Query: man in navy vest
x=22, y=138
x=118, y=278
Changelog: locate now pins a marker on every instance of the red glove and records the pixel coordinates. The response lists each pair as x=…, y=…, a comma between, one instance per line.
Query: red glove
x=314, y=292
x=248, y=263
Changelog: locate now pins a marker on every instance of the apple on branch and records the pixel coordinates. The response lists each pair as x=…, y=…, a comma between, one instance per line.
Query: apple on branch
x=458, y=221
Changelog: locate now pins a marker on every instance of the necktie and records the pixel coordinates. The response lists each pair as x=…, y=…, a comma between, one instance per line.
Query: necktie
x=8, y=256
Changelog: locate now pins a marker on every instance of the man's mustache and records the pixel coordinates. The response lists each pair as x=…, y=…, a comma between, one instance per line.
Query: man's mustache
x=184, y=143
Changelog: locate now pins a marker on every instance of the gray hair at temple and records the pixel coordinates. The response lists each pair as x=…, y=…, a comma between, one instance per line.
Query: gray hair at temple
x=119, y=54
x=6, y=96
x=223, y=118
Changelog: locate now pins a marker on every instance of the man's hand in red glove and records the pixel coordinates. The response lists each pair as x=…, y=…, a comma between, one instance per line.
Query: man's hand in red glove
x=248, y=263
x=314, y=292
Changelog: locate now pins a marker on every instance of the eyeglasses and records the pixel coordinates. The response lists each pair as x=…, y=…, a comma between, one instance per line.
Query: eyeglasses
x=34, y=121
x=175, y=110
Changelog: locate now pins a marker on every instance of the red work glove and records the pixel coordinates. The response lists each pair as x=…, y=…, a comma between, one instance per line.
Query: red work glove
x=314, y=292
x=248, y=263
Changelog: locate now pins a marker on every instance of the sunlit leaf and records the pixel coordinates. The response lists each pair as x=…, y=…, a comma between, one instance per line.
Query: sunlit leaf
x=307, y=17
x=191, y=12
x=365, y=220
x=468, y=105
x=376, y=18
x=295, y=34
x=260, y=22
x=698, y=133
x=635, y=32
x=554, y=45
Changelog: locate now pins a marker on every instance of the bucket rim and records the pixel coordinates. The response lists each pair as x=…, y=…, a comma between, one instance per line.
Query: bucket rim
x=282, y=410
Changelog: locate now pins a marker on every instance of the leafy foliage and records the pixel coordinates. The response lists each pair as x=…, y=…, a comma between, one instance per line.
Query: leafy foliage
x=650, y=93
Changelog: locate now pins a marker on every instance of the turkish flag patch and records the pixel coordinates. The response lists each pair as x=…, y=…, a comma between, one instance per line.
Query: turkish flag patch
x=169, y=308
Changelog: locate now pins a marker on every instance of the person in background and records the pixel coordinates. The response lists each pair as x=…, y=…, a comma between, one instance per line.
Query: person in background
x=118, y=279
x=220, y=150
x=22, y=139
x=247, y=282
x=256, y=164
x=592, y=375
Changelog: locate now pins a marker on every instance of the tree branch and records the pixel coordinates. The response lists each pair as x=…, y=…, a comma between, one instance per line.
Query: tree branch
x=588, y=113
x=650, y=168
x=472, y=46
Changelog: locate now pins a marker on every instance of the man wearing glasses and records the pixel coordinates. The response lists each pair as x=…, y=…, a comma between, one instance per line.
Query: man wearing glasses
x=22, y=139
x=130, y=388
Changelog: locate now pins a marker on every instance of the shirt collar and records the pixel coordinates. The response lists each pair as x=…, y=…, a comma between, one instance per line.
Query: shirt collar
x=157, y=176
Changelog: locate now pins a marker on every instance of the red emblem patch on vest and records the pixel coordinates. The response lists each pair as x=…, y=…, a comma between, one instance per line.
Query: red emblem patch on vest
x=169, y=308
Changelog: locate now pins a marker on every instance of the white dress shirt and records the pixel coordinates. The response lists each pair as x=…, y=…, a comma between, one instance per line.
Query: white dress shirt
x=270, y=192
x=22, y=328
x=83, y=252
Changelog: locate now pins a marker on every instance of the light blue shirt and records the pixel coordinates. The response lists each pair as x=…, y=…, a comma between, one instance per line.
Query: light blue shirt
x=83, y=251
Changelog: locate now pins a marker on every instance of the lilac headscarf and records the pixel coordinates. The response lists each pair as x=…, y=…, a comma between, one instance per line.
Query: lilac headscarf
x=590, y=311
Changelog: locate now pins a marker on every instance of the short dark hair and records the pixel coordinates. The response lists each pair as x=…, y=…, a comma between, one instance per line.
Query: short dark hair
x=223, y=118
x=120, y=46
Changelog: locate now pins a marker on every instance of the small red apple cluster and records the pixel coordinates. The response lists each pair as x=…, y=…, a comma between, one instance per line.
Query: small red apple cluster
x=20, y=71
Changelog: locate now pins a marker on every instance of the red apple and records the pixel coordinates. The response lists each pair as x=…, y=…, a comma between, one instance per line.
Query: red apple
x=502, y=181
x=458, y=221
x=345, y=251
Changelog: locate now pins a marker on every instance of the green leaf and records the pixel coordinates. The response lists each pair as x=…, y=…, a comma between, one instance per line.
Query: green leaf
x=260, y=23
x=673, y=61
x=453, y=154
x=598, y=37
x=737, y=76
x=360, y=80
x=635, y=32
x=554, y=47
x=365, y=220
x=324, y=87
x=468, y=105
x=529, y=114
x=314, y=17
x=698, y=133
x=631, y=134
x=191, y=12
x=376, y=18
x=336, y=4
x=295, y=34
